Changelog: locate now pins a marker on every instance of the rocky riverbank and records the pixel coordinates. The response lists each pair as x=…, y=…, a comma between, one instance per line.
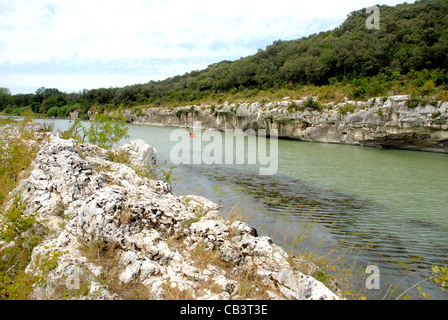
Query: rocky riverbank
x=112, y=231
x=395, y=122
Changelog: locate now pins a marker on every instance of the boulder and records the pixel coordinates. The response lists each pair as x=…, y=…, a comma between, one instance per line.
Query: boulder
x=140, y=153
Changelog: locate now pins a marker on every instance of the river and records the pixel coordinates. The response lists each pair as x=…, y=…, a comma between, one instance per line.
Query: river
x=386, y=208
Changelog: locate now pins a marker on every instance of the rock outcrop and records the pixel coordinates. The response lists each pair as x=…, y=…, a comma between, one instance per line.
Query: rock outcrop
x=143, y=235
x=378, y=122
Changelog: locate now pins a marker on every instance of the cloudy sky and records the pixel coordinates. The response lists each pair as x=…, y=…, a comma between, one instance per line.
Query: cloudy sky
x=75, y=45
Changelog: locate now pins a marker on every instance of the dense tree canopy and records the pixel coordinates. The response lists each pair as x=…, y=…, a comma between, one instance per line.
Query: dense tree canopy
x=412, y=38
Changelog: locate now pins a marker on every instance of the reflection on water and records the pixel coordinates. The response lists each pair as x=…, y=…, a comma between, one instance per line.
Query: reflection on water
x=381, y=207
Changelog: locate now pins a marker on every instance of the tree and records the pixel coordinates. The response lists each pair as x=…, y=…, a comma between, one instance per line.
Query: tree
x=5, y=98
x=35, y=107
x=53, y=112
x=40, y=95
x=104, y=131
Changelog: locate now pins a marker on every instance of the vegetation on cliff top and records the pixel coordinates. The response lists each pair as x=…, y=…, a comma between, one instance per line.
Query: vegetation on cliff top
x=407, y=55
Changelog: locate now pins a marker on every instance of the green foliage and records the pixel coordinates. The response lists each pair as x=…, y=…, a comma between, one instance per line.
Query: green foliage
x=294, y=106
x=440, y=276
x=15, y=111
x=28, y=116
x=119, y=156
x=5, y=98
x=76, y=131
x=103, y=131
x=53, y=112
x=15, y=283
x=348, y=107
x=15, y=157
x=428, y=87
x=14, y=223
x=414, y=101
x=157, y=173
x=436, y=114
x=310, y=103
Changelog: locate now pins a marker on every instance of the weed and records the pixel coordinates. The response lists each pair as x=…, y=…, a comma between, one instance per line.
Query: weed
x=348, y=107
x=414, y=101
x=203, y=255
x=173, y=292
x=295, y=106
x=310, y=103
x=20, y=230
x=16, y=155
x=107, y=255
x=436, y=114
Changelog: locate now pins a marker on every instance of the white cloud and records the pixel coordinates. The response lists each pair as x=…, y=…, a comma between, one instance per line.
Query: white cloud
x=72, y=33
x=66, y=82
x=72, y=81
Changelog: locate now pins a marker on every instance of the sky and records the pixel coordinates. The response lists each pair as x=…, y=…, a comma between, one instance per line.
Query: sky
x=87, y=44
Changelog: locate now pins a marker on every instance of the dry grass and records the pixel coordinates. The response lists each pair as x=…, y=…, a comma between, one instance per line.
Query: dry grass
x=108, y=256
x=173, y=292
x=16, y=155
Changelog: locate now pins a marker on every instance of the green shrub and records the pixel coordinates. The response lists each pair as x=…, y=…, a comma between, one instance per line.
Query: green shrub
x=414, y=101
x=359, y=93
x=76, y=131
x=346, y=108
x=14, y=223
x=103, y=131
x=53, y=112
x=15, y=157
x=428, y=87
x=15, y=283
x=436, y=114
x=294, y=106
x=310, y=103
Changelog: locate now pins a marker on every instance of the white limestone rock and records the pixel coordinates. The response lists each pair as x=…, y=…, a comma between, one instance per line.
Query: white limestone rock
x=140, y=153
x=295, y=285
x=87, y=205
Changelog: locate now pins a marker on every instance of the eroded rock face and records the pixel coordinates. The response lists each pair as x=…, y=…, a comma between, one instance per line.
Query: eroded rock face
x=378, y=122
x=90, y=202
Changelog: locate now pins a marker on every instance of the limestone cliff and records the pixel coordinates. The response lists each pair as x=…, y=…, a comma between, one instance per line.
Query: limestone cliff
x=384, y=123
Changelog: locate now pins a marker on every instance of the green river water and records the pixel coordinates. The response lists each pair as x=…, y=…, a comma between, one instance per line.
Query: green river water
x=370, y=206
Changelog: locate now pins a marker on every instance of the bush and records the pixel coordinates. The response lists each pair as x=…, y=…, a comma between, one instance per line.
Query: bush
x=359, y=93
x=414, y=101
x=428, y=87
x=294, y=106
x=15, y=157
x=310, y=103
x=53, y=112
x=436, y=114
x=15, y=283
x=103, y=131
x=346, y=108
x=35, y=107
